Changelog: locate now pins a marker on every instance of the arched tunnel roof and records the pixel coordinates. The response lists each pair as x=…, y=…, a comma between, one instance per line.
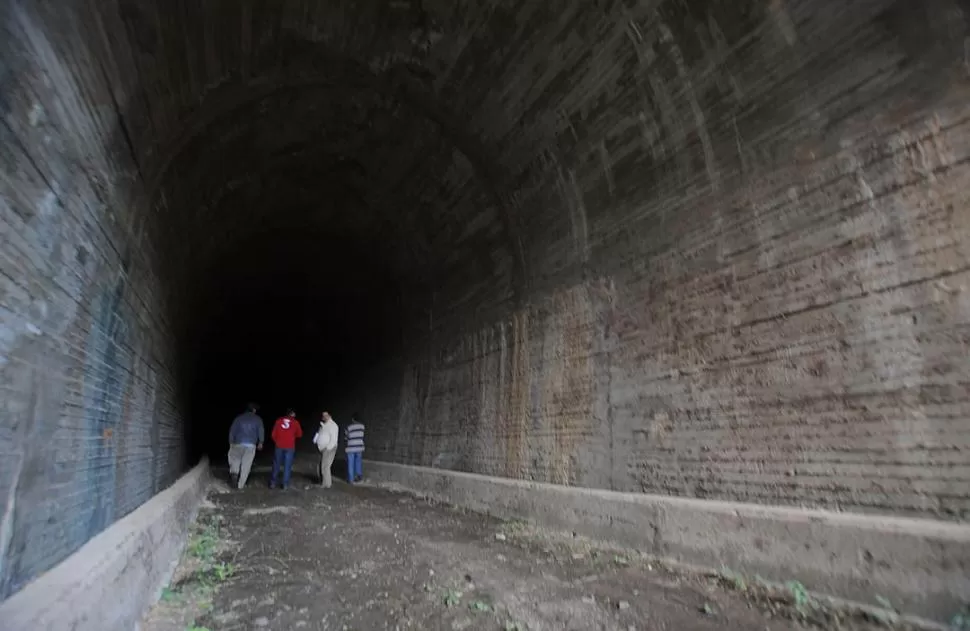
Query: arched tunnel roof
x=301, y=124
x=674, y=247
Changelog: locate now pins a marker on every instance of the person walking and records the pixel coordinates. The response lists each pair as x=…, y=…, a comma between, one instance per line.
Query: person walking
x=326, y=441
x=286, y=431
x=245, y=437
x=355, y=450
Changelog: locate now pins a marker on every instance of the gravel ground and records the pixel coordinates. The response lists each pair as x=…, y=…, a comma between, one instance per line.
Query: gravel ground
x=362, y=558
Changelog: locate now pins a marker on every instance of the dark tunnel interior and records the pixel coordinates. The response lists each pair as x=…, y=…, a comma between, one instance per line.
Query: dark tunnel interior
x=318, y=223
x=291, y=319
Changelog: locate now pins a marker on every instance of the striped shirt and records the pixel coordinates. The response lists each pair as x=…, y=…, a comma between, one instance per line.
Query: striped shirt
x=355, y=438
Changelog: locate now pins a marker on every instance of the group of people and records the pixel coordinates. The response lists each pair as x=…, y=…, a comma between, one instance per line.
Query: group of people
x=246, y=437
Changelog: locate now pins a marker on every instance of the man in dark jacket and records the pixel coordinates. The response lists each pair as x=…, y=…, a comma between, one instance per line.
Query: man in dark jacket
x=245, y=437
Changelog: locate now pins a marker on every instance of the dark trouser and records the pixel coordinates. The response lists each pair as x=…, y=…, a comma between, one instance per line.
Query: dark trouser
x=282, y=458
x=355, y=466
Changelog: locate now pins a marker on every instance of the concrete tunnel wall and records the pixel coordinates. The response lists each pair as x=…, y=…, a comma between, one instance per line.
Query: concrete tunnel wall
x=705, y=249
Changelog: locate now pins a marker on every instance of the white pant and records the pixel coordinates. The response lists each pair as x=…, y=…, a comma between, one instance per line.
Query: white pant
x=326, y=461
x=241, y=461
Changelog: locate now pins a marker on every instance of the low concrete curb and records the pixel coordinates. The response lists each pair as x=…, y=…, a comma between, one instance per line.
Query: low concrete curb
x=921, y=566
x=112, y=580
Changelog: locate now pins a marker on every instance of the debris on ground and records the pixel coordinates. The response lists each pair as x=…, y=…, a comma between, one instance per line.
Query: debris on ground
x=366, y=558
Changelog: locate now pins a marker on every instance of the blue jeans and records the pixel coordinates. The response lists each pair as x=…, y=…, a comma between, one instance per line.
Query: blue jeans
x=282, y=458
x=355, y=466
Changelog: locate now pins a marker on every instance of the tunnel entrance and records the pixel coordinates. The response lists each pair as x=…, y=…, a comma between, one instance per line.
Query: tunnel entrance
x=287, y=319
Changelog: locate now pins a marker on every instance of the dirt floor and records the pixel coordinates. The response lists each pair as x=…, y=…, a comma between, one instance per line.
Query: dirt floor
x=361, y=558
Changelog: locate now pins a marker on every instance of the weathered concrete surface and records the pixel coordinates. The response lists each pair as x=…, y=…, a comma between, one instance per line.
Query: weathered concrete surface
x=363, y=558
x=921, y=566
x=115, y=577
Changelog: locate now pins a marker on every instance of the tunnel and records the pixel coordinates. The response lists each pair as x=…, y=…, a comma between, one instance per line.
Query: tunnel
x=687, y=248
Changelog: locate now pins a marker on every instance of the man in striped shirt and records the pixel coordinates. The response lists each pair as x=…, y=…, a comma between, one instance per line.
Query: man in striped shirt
x=355, y=450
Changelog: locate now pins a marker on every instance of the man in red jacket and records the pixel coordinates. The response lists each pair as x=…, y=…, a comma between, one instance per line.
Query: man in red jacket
x=285, y=433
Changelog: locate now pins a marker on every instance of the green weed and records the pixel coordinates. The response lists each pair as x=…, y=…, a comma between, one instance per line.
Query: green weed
x=735, y=579
x=169, y=594
x=222, y=572
x=800, y=597
x=203, y=545
x=961, y=621
x=452, y=598
x=204, y=539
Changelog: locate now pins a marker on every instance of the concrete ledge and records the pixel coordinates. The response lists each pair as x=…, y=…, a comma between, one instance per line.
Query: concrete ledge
x=921, y=566
x=110, y=582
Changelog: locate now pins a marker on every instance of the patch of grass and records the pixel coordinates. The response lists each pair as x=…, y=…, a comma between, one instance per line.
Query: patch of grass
x=621, y=561
x=452, y=598
x=222, y=572
x=800, y=597
x=734, y=579
x=205, y=564
x=479, y=605
x=891, y=616
x=210, y=575
x=961, y=620
x=514, y=526
x=206, y=533
x=202, y=544
x=169, y=594
x=513, y=626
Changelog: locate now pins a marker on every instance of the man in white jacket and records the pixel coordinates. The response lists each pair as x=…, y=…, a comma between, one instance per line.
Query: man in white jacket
x=326, y=441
